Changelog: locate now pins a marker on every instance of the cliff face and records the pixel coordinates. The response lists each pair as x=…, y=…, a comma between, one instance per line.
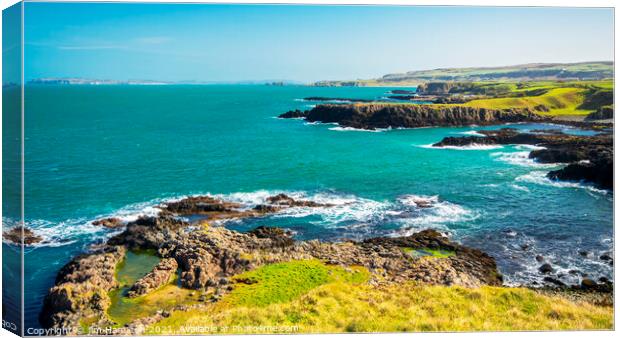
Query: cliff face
x=373, y=116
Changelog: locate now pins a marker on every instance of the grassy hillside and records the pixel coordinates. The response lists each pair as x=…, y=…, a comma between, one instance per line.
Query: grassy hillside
x=553, y=98
x=559, y=101
x=527, y=72
x=311, y=297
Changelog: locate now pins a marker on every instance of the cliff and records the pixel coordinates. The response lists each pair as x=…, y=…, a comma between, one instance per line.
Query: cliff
x=377, y=116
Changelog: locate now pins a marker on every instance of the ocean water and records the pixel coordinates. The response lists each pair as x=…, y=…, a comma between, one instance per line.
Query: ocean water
x=96, y=151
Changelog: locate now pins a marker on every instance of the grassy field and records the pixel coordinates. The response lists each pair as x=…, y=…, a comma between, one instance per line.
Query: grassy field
x=559, y=101
x=557, y=98
x=311, y=297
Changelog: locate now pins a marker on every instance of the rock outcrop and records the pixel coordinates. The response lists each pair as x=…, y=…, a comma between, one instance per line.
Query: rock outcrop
x=158, y=277
x=81, y=289
x=110, y=222
x=589, y=158
x=603, y=113
x=206, y=258
x=16, y=234
x=379, y=116
x=149, y=232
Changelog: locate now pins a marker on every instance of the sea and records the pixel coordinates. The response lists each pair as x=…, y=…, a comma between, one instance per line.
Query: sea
x=120, y=150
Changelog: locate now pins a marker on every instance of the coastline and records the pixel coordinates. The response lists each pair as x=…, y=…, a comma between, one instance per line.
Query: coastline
x=212, y=261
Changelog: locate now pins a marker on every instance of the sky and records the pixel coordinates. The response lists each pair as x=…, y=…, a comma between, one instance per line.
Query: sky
x=221, y=43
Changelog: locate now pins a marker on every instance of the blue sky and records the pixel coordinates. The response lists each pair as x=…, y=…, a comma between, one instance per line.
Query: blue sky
x=181, y=42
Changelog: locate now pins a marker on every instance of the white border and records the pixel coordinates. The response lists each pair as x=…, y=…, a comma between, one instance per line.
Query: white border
x=495, y=3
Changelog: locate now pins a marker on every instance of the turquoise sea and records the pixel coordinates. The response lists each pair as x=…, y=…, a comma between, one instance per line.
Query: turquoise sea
x=96, y=151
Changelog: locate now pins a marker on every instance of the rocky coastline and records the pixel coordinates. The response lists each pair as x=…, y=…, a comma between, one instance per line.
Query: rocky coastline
x=589, y=159
x=205, y=257
x=381, y=116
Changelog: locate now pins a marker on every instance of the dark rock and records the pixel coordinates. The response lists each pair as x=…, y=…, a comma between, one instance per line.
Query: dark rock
x=583, y=253
x=546, y=268
x=587, y=283
x=554, y=281
x=539, y=258
x=285, y=200
x=111, y=222
x=373, y=116
x=263, y=208
x=279, y=236
x=294, y=114
x=344, y=99
x=17, y=234
x=149, y=232
x=590, y=158
x=603, y=113
x=199, y=205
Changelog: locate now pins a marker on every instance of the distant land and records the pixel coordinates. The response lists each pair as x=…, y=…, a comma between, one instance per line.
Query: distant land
x=83, y=81
x=598, y=70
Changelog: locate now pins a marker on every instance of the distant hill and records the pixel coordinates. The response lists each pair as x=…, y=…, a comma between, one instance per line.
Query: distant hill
x=527, y=72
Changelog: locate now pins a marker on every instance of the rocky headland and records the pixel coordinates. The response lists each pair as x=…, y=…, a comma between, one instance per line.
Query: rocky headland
x=381, y=116
x=589, y=159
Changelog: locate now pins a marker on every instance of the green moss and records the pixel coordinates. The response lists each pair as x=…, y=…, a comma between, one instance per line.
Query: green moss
x=427, y=252
x=282, y=282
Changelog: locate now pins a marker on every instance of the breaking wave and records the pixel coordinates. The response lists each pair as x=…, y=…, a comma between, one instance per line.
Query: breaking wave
x=472, y=133
x=521, y=158
x=357, y=129
x=473, y=146
x=350, y=213
x=540, y=177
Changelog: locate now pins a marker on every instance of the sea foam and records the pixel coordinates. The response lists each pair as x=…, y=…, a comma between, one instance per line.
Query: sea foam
x=473, y=146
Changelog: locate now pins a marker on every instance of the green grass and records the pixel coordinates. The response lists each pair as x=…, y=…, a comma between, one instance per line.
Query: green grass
x=282, y=282
x=427, y=252
x=558, y=98
x=559, y=101
x=342, y=306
